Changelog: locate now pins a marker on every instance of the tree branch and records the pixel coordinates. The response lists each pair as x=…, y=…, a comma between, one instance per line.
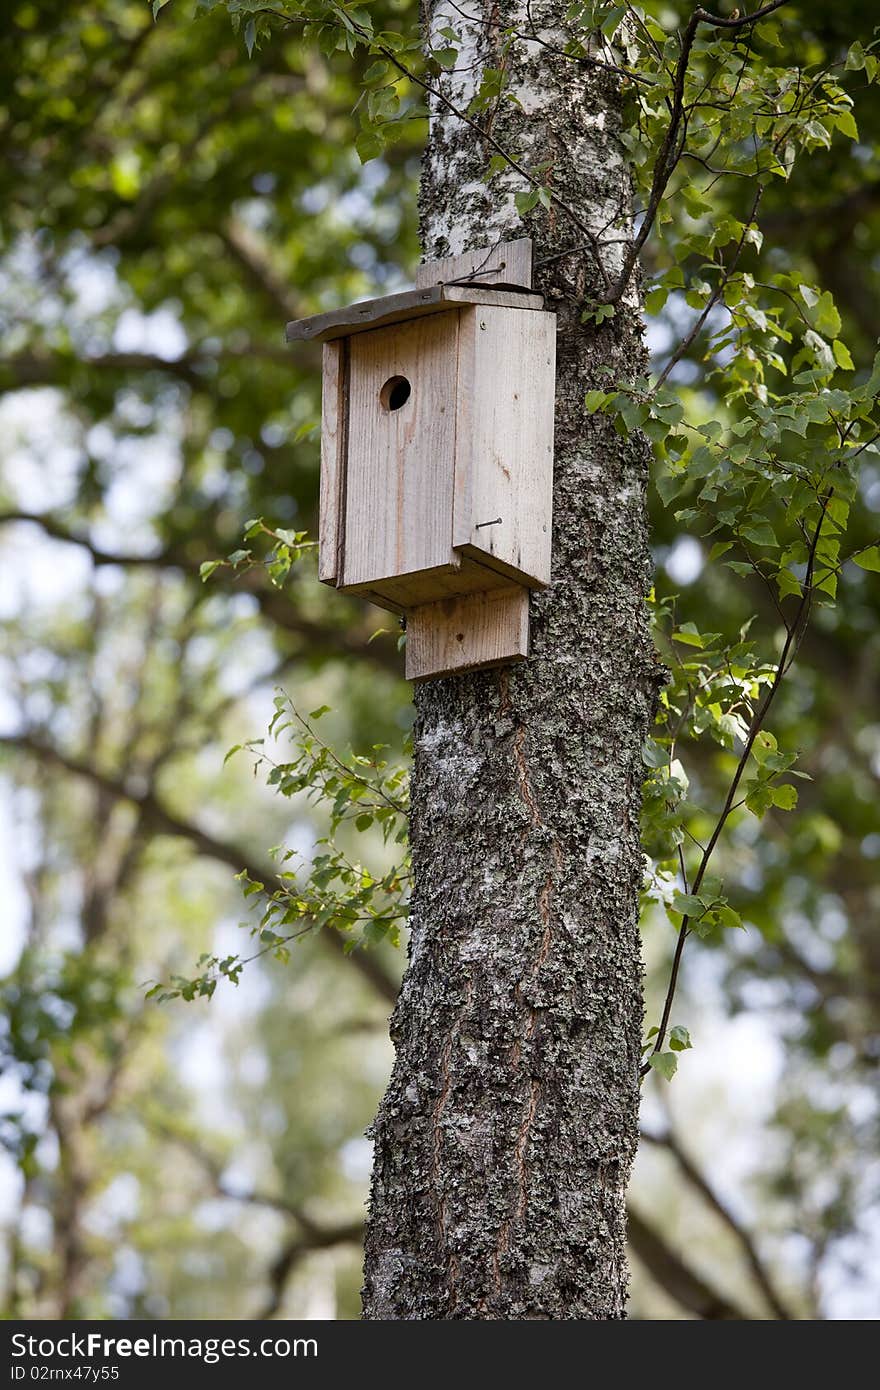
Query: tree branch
x=29, y=369
x=293, y=1251
x=700, y=1184
x=670, y=151
x=162, y=821
x=309, y=1237
x=275, y=605
x=675, y=1277
x=251, y=255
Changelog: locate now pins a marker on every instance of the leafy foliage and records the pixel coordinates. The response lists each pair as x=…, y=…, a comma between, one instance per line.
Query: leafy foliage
x=325, y=888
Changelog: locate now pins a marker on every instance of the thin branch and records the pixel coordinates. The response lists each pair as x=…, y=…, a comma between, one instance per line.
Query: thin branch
x=249, y=251
x=274, y=604
x=58, y=531
x=671, y=149
x=714, y=297
x=194, y=367
x=162, y=821
x=700, y=1184
x=293, y=1251
x=310, y=1236
x=790, y=647
x=676, y=1278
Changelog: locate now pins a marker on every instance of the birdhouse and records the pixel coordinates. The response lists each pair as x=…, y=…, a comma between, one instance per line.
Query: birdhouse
x=437, y=456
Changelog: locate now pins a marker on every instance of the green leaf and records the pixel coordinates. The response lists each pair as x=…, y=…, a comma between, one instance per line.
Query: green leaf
x=785, y=797
x=526, y=201
x=319, y=712
x=679, y=1039
x=207, y=568
x=654, y=754
x=763, y=746
x=846, y=124
x=759, y=800
x=868, y=559
x=759, y=533
x=855, y=58
x=369, y=144
x=290, y=538
x=377, y=70
x=842, y=355
x=687, y=905
x=666, y=1063
x=689, y=635
x=729, y=917
x=364, y=821
x=656, y=298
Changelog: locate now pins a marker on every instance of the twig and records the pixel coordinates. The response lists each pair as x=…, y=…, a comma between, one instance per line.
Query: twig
x=670, y=151
x=789, y=648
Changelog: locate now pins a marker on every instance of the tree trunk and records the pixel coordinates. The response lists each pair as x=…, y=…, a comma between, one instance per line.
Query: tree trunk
x=505, y=1139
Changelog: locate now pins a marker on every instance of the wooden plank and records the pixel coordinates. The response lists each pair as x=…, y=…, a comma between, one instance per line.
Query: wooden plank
x=398, y=308
x=330, y=501
x=400, y=470
x=405, y=591
x=507, y=296
x=508, y=262
x=370, y=313
x=504, y=441
x=467, y=634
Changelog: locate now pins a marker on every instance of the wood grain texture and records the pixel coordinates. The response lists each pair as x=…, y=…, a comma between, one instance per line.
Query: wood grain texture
x=477, y=630
x=398, y=509
x=509, y=262
x=405, y=591
x=504, y=441
x=333, y=430
x=398, y=308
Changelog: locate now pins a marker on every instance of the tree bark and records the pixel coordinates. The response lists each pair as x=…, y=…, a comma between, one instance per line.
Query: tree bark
x=505, y=1139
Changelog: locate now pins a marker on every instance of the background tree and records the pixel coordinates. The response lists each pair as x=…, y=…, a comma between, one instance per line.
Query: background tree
x=156, y=235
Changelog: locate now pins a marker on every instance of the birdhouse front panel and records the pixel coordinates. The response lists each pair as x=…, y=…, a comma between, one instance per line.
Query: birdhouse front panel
x=401, y=444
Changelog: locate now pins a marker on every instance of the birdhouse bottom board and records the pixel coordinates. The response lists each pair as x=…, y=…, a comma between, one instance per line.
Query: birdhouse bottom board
x=468, y=633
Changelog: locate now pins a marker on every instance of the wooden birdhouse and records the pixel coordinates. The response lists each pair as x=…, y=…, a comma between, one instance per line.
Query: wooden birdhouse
x=437, y=456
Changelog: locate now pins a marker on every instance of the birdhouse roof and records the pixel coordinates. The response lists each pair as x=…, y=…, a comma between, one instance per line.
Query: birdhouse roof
x=397, y=308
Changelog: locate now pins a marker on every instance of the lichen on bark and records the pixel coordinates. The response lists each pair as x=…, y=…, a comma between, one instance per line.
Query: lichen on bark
x=505, y=1139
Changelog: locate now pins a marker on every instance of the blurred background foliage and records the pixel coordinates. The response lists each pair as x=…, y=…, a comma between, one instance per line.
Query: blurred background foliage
x=166, y=204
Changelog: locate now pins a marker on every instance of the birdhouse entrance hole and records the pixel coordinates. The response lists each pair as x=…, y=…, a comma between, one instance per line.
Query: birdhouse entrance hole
x=395, y=393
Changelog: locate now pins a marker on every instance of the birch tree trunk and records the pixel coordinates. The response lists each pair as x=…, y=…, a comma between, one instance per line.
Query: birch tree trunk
x=505, y=1139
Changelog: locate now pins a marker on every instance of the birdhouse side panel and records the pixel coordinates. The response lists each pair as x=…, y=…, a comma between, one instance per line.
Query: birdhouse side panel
x=332, y=461
x=400, y=450
x=504, y=452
